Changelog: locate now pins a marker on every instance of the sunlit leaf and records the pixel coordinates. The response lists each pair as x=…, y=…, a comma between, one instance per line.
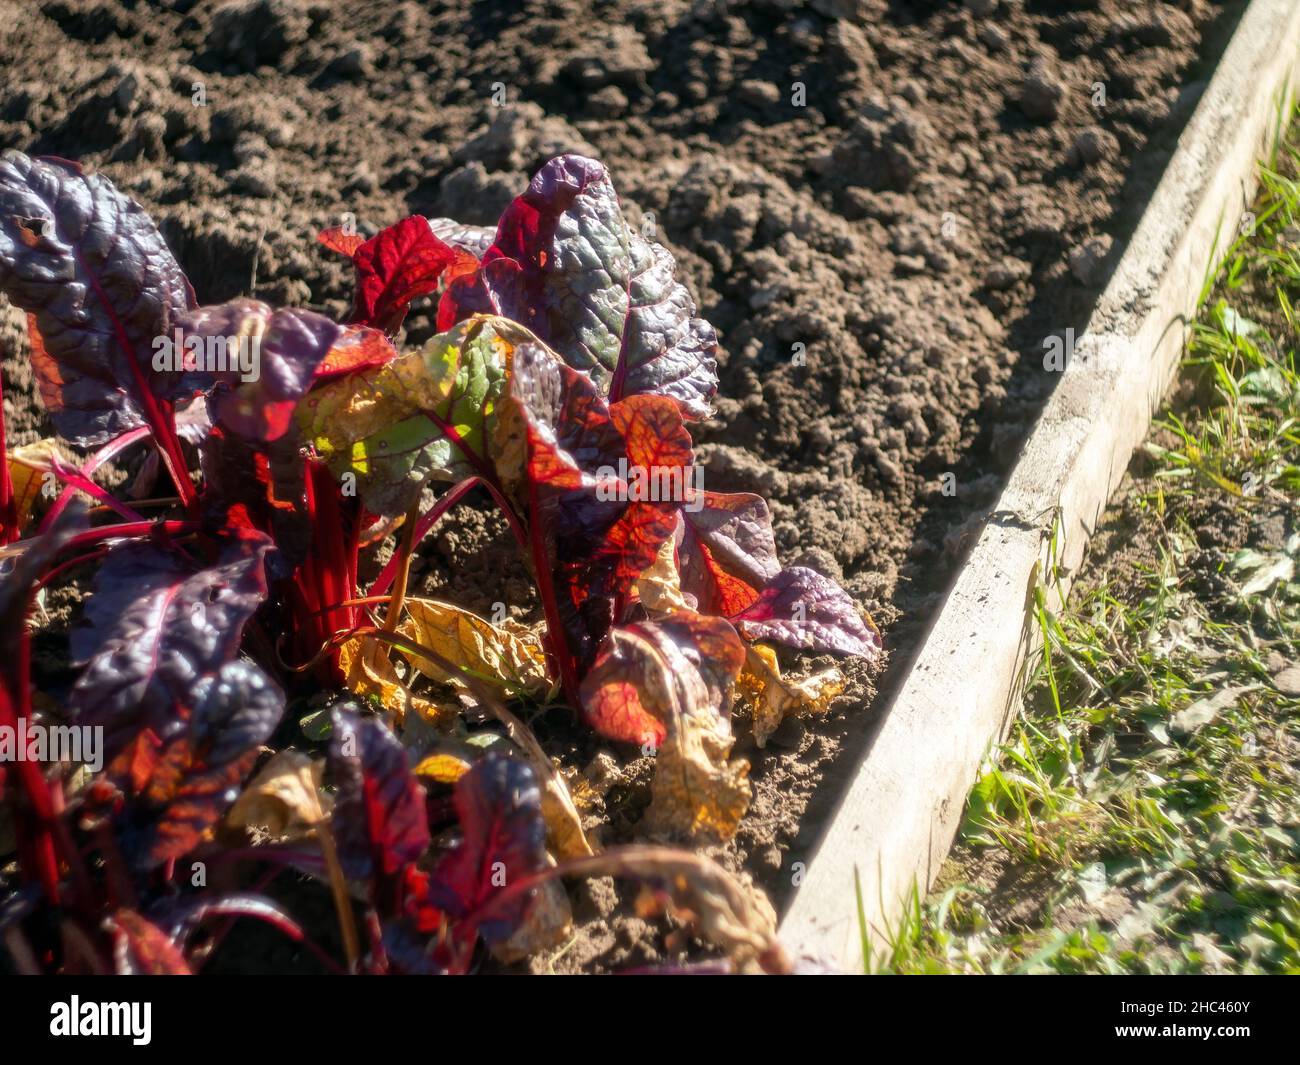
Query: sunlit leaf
x=388, y=425
x=513, y=661
x=668, y=684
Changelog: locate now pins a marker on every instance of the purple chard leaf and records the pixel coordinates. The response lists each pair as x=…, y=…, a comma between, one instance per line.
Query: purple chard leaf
x=567, y=265
x=154, y=625
x=267, y=359
x=379, y=817
x=503, y=839
x=802, y=608
x=234, y=711
x=725, y=550
x=102, y=293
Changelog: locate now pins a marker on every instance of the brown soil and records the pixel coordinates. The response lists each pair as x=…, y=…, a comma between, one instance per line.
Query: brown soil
x=884, y=207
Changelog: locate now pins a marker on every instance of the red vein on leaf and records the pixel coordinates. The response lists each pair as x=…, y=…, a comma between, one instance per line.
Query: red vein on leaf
x=109, y=451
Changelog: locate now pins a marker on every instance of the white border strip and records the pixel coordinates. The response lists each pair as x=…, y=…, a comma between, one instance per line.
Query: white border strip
x=897, y=820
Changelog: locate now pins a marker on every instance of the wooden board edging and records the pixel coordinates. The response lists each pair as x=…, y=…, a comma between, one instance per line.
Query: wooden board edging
x=901, y=810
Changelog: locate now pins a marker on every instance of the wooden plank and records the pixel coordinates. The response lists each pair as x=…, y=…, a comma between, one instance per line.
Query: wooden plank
x=900, y=813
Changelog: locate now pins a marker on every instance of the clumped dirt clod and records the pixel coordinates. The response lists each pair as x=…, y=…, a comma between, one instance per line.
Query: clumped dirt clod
x=883, y=207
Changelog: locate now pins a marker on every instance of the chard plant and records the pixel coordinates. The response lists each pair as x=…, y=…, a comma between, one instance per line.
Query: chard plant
x=568, y=370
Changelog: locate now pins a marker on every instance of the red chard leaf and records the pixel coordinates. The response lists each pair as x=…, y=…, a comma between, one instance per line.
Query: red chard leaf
x=379, y=817
x=198, y=799
x=802, y=608
x=136, y=763
x=567, y=265
x=101, y=290
x=341, y=240
x=570, y=433
x=357, y=348
x=611, y=695
x=409, y=936
x=644, y=667
x=394, y=267
x=503, y=838
x=417, y=906
x=655, y=441
x=464, y=297
x=711, y=645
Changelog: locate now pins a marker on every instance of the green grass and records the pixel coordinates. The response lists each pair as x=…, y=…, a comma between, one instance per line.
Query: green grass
x=1144, y=814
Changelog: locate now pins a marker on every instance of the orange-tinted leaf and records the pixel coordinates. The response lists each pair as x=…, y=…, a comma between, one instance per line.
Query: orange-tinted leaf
x=141, y=948
x=726, y=551
x=340, y=240
x=675, y=676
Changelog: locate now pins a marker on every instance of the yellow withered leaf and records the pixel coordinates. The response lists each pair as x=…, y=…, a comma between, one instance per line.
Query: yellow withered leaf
x=28, y=469
x=367, y=671
x=510, y=660
x=442, y=768
x=508, y=442
x=660, y=586
x=497, y=659
x=772, y=698
x=283, y=799
x=698, y=791
x=727, y=910
x=563, y=822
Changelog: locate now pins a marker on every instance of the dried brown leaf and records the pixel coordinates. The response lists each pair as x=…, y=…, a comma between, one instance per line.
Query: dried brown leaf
x=772, y=698
x=283, y=799
x=510, y=659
